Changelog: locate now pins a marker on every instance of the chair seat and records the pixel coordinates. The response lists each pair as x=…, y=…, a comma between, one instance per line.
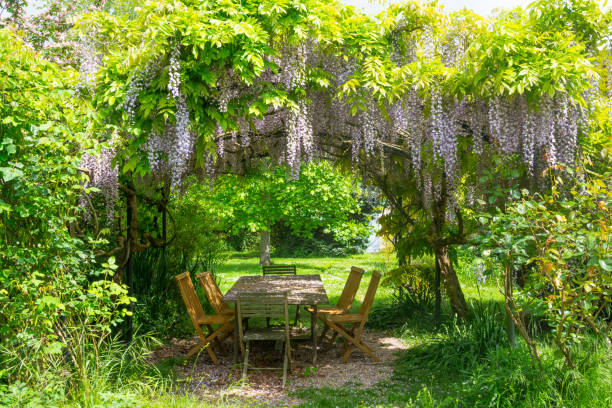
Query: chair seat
x=227, y=312
x=267, y=333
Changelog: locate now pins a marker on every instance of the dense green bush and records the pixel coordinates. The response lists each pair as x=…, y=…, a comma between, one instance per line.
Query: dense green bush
x=321, y=242
x=564, y=238
x=198, y=232
x=55, y=295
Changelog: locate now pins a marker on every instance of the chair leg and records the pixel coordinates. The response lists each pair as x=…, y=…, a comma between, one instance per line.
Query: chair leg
x=246, y=362
x=313, y=319
x=210, y=332
x=289, y=354
x=297, y=323
x=349, y=349
x=346, y=344
x=323, y=333
x=206, y=345
x=353, y=340
x=194, y=349
x=245, y=323
x=212, y=355
x=285, y=362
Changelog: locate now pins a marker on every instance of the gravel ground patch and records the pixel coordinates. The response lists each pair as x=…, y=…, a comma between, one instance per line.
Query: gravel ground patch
x=200, y=377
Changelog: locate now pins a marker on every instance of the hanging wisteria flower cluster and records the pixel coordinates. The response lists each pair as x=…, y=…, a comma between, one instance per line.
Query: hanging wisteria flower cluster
x=174, y=74
x=542, y=135
x=177, y=140
x=90, y=59
x=103, y=175
x=299, y=136
x=140, y=81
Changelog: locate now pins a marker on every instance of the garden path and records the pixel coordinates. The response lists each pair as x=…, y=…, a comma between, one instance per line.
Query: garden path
x=203, y=379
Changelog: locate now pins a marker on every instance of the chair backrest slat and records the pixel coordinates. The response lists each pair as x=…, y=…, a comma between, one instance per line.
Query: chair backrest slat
x=190, y=297
x=213, y=293
x=350, y=289
x=256, y=304
x=279, y=270
x=369, y=296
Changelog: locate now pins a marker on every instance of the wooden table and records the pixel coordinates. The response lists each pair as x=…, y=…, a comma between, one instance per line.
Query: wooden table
x=301, y=290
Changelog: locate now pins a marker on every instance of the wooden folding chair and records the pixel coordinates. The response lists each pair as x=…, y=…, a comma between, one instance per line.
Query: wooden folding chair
x=199, y=319
x=214, y=294
x=255, y=304
x=282, y=270
x=344, y=302
x=279, y=270
x=352, y=336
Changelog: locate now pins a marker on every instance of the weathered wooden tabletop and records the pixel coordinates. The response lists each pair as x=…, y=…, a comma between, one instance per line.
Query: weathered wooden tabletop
x=302, y=289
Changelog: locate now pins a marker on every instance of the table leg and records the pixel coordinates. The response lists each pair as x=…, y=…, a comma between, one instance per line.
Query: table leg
x=236, y=334
x=313, y=325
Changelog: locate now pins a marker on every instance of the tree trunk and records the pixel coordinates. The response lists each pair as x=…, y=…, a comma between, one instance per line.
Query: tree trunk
x=264, y=246
x=453, y=288
x=438, y=295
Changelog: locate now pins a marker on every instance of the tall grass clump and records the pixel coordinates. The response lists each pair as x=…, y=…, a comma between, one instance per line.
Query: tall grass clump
x=414, y=296
x=159, y=307
x=90, y=372
x=461, y=345
x=482, y=369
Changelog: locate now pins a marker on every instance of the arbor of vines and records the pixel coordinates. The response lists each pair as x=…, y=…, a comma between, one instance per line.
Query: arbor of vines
x=418, y=101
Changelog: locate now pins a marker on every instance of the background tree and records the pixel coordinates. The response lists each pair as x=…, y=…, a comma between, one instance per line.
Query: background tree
x=321, y=198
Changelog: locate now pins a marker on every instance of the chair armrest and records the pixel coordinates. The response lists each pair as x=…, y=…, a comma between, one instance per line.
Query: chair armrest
x=215, y=319
x=327, y=311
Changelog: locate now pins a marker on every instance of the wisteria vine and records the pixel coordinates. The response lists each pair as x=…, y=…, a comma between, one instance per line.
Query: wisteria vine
x=430, y=126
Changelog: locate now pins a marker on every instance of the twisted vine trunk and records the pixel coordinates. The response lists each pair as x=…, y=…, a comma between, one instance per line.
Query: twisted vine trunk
x=451, y=282
x=264, y=235
x=441, y=243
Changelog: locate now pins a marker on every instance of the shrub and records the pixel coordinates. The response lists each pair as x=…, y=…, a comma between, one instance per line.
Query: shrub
x=53, y=288
x=414, y=295
x=198, y=242
x=288, y=244
x=565, y=238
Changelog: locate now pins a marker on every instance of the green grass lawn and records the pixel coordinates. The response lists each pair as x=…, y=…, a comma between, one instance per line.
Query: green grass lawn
x=333, y=271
